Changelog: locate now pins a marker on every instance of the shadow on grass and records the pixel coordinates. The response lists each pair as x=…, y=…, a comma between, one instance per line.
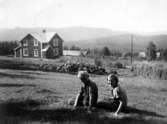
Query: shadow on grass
x=131, y=110
x=29, y=111
x=16, y=75
x=15, y=85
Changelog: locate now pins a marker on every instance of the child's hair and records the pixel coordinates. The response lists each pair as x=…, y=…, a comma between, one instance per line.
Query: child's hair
x=112, y=76
x=83, y=74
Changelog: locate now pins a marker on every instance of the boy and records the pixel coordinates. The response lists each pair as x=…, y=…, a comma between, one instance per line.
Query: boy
x=88, y=94
x=118, y=101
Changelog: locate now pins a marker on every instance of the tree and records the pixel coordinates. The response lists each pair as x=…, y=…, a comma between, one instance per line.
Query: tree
x=73, y=47
x=151, y=51
x=65, y=48
x=105, y=51
x=94, y=52
x=164, y=54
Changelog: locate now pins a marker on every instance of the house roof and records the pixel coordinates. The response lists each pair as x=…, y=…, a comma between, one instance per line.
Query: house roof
x=46, y=48
x=43, y=37
x=17, y=48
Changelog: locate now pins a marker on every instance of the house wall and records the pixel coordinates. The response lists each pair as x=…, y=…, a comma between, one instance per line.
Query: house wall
x=56, y=44
x=17, y=53
x=61, y=48
x=30, y=46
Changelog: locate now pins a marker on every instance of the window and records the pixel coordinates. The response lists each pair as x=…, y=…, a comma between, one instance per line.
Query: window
x=25, y=42
x=25, y=52
x=36, y=53
x=35, y=42
x=56, y=52
x=55, y=42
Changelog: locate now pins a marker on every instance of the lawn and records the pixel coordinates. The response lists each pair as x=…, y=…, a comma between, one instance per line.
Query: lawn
x=35, y=97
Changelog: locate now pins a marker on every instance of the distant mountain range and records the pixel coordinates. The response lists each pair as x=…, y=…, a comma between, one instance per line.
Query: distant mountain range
x=87, y=37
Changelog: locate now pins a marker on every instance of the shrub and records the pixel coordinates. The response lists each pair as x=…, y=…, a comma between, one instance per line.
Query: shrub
x=118, y=65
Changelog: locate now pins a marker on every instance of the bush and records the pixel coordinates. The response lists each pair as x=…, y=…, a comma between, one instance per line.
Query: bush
x=118, y=65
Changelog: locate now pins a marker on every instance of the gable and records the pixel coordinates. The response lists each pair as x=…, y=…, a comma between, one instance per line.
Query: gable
x=55, y=41
x=27, y=37
x=59, y=37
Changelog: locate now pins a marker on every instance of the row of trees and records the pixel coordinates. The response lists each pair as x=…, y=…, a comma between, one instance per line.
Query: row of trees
x=105, y=51
x=7, y=48
x=151, y=52
x=73, y=47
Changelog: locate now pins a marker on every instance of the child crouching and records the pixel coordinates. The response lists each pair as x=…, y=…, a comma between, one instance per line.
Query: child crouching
x=118, y=100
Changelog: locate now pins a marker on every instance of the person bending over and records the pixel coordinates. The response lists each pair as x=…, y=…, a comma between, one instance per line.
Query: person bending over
x=88, y=93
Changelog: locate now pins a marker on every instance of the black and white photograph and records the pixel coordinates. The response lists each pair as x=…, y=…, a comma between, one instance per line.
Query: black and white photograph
x=83, y=61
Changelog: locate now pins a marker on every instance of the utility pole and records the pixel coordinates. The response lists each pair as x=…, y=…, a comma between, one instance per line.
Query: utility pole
x=131, y=49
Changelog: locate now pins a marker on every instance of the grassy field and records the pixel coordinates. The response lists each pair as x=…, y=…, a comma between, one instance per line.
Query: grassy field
x=35, y=97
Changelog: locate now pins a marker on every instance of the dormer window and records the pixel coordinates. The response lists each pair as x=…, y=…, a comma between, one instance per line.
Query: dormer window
x=35, y=42
x=25, y=42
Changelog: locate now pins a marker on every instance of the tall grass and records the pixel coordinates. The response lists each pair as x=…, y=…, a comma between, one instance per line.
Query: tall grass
x=152, y=70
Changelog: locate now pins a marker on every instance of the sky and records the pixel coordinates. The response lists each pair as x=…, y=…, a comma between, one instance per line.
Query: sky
x=124, y=15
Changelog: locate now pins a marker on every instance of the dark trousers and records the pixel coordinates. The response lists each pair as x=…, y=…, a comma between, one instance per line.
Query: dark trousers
x=110, y=105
